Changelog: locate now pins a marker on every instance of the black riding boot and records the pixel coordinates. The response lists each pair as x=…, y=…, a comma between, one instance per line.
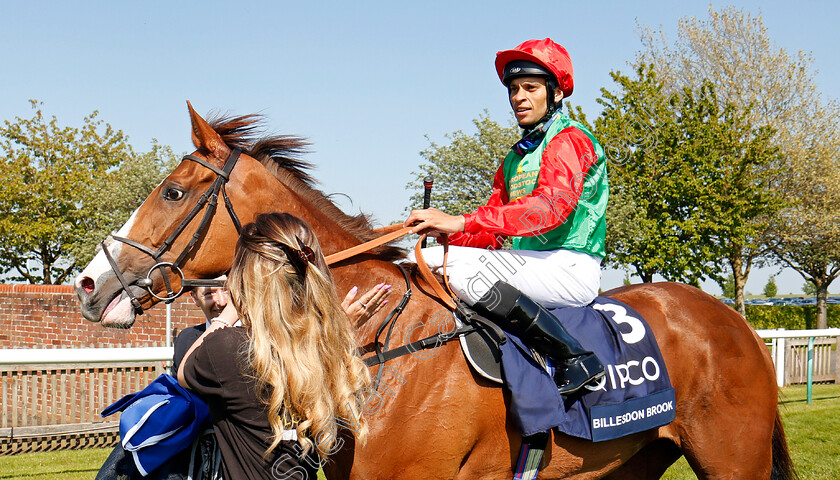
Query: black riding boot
x=543, y=331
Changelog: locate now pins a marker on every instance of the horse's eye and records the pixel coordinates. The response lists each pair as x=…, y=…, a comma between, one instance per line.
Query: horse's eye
x=173, y=194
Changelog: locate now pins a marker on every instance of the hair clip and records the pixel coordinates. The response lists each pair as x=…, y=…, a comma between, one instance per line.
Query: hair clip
x=305, y=252
x=299, y=258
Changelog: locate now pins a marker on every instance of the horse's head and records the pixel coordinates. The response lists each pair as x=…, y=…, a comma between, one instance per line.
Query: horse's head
x=177, y=233
x=175, y=220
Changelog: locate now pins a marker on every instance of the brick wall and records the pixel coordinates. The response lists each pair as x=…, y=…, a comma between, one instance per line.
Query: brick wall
x=48, y=316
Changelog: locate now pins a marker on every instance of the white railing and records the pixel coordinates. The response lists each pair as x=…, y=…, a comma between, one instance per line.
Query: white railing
x=29, y=356
x=777, y=340
x=53, y=392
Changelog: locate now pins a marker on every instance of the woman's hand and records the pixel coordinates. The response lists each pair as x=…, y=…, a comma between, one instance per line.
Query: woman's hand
x=367, y=305
x=432, y=222
x=229, y=315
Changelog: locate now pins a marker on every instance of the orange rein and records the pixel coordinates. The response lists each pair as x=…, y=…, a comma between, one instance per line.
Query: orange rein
x=391, y=233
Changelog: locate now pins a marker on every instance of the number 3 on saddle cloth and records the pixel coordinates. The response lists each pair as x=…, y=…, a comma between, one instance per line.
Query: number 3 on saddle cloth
x=634, y=395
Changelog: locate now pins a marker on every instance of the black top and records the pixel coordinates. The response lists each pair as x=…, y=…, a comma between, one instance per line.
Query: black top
x=183, y=342
x=219, y=373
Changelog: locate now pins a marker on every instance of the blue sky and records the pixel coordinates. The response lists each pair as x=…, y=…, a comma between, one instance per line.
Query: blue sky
x=364, y=81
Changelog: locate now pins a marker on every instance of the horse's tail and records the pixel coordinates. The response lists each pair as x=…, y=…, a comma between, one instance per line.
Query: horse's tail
x=782, y=464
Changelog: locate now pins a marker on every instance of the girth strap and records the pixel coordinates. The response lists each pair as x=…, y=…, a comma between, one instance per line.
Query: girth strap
x=422, y=344
x=530, y=456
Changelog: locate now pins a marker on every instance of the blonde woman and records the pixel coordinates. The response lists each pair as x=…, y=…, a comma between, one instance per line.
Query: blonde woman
x=277, y=386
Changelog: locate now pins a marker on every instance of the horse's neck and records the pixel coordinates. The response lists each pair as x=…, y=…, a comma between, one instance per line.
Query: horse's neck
x=277, y=196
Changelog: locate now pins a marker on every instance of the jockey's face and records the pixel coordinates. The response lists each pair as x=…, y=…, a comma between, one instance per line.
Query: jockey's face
x=528, y=99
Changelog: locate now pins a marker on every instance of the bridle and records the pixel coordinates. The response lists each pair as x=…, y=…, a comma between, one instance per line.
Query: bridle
x=210, y=199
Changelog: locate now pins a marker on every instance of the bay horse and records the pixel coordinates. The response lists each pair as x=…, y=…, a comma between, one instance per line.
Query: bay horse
x=435, y=418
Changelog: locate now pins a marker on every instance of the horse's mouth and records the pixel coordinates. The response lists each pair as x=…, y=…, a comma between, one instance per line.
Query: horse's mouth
x=117, y=320
x=112, y=304
x=119, y=312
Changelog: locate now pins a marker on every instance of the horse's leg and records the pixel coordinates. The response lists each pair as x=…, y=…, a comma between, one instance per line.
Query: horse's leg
x=730, y=430
x=723, y=376
x=580, y=459
x=493, y=456
x=731, y=446
x=650, y=463
x=441, y=423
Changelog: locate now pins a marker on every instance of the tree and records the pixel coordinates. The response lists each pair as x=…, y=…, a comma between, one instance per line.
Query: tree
x=806, y=235
x=809, y=289
x=689, y=178
x=733, y=50
x=770, y=289
x=644, y=233
x=463, y=169
x=54, y=197
x=727, y=284
x=770, y=88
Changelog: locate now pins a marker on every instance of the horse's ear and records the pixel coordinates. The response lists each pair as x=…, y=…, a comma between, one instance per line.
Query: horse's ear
x=204, y=137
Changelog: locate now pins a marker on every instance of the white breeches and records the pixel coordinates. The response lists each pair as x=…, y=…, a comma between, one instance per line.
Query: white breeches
x=554, y=278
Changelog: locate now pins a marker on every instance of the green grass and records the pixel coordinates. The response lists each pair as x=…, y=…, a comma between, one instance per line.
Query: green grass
x=813, y=434
x=62, y=464
x=813, y=431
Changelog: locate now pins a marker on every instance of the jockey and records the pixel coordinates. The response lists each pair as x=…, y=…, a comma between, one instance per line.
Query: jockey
x=549, y=197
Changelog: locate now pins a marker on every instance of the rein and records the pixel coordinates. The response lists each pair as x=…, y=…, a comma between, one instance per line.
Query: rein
x=210, y=199
x=445, y=295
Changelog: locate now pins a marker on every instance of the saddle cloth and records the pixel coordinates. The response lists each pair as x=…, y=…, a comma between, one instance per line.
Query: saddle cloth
x=634, y=395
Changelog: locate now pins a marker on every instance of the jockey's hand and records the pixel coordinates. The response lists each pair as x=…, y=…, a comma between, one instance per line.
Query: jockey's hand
x=433, y=222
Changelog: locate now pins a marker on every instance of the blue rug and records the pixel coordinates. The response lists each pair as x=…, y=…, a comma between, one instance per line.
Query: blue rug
x=634, y=395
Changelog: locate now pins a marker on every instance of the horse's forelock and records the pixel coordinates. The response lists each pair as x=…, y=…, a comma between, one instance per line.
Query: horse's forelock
x=280, y=155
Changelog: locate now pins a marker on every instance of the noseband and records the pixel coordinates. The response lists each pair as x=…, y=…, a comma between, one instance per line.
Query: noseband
x=210, y=199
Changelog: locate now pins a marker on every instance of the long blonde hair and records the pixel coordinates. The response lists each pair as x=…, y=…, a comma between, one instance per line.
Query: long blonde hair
x=302, y=347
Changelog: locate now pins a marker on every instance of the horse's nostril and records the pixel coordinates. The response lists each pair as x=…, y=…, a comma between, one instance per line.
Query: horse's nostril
x=87, y=284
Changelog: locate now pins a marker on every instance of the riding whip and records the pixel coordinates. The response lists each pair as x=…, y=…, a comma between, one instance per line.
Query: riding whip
x=427, y=198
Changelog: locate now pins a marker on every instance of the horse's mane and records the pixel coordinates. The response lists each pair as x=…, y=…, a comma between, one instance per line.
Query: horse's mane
x=280, y=154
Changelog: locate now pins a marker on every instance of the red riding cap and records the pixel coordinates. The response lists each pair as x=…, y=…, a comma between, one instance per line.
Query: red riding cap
x=546, y=53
